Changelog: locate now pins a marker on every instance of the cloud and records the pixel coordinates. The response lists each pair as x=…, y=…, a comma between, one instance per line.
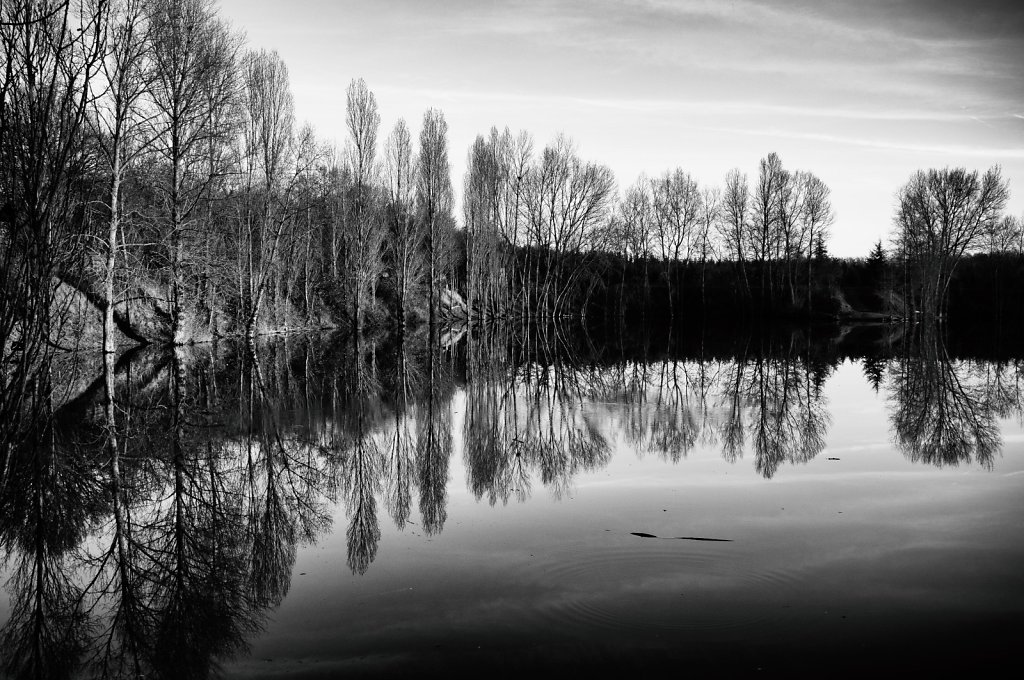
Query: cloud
x=994, y=153
x=740, y=108
x=766, y=18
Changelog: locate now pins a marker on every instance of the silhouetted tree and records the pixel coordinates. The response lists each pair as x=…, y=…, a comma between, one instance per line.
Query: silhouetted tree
x=942, y=216
x=568, y=202
x=734, y=226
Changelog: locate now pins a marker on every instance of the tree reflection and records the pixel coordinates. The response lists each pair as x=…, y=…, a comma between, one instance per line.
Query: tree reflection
x=789, y=413
x=493, y=449
x=678, y=413
x=196, y=553
x=123, y=644
x=433, y=442
x=362, y=471
x=770, y=399
x=150, y=521
x=1002, y=384
x=558, y=434
x=49, y=499
x=46, y=513
x=285, y=480
x=527, y=419
x=944, y=411
x=399, y=443
x=874, y=368
x=733, y=431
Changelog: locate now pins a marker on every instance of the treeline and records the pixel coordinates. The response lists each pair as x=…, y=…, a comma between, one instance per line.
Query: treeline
x=987, y=285
x=152, y=167
x=549, y=240
x=547, y=235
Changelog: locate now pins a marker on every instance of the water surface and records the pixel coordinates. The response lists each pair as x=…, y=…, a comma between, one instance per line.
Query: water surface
x=316, y=507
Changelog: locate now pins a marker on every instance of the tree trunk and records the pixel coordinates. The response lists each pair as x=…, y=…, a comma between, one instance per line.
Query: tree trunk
x=177, y=324
x=108, y=274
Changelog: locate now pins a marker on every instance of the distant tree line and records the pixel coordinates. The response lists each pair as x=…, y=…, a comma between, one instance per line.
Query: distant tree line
x=536, y=229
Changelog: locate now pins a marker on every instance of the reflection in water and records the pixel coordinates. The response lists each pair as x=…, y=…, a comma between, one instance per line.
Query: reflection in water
x=403, y=381
x=945, y=411
x=150, y=522
x=286, y=477
x=360, y=473
x=874, y=371
x=777, y=402
x=434, y=444
x=48, y=501
x=526, y=419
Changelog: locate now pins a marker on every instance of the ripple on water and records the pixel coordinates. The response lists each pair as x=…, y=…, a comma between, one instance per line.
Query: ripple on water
x=664, y=585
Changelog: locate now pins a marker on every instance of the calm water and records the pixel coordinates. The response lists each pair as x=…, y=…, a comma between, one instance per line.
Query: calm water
x=314, y=509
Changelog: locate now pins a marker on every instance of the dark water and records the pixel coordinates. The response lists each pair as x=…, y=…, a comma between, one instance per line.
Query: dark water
x=312, y=508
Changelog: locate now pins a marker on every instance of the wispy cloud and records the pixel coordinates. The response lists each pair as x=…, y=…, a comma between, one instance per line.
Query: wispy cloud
x=956, y=150
x=737, y=108
x=766, y=17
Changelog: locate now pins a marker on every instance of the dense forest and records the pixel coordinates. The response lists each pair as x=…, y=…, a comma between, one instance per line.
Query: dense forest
x=157, y=186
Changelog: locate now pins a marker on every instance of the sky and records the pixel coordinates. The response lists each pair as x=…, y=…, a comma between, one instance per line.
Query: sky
x=861, y=93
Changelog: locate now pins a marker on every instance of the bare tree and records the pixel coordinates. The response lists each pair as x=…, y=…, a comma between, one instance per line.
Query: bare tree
x=481, y=182
x=119, y=120
x=434, y=198
x=1004, y=235
x=943, y=215
x=710, y=219
x=636, y=219
x=491, y=204
x=365, y=235
x=49, y=56
x=300, y=194
x=767, y=206
x=406, y=238
x=270, y=163
x=568, y=202
x=790, y=224
x=733, y=228
x=818, y=216
x=676, y=201
x=513, y=158
x=191, y=49
x=636, y=215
